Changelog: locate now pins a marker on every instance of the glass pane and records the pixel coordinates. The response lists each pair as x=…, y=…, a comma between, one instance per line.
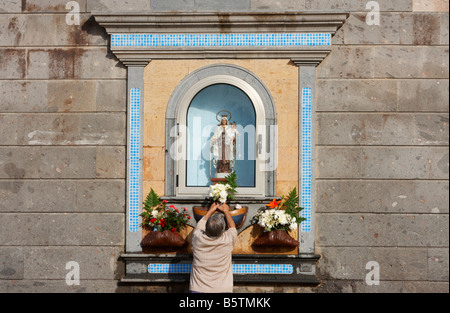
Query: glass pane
x=203, y=121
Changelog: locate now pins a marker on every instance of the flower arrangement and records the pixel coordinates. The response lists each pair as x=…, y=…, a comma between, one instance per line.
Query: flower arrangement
x=223, y=191
x=280, y=215
x=160, y=217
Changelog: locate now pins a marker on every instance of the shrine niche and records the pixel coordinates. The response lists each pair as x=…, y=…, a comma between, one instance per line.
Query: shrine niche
x=210, y=97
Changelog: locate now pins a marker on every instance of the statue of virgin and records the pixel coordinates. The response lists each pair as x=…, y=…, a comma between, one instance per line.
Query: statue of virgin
x=223, y=144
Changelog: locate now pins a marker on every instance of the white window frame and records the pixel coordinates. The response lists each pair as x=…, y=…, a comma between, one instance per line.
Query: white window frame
x=259, y=189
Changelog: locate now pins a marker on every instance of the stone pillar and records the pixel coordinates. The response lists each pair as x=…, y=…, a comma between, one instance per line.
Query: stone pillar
x=307, y=80
x=135, y=111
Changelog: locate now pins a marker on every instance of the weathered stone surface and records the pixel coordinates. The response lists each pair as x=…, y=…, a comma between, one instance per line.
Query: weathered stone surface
x=50, y=262
x=62, y=162
x=25, y=30
x=387, y=230
x=420, y=29
x=438, y=264
x=357, y=31
x=10, y=6
x=423, y=95
x=70, y=63
x=11, y=263
x=63, y=96
x=355, y=5
x=51, y=6
x=279, y=5
x=411, y=62
x=59, y=286
x=430, y=5
x=382, y=129
x=62, y=196
x=444, y=29
x=12, y=63
x=110, y=162
x=385, y=62
x=67, y=229
x=100, y=196
x=382, y=196
x=382, y=162
x=356, y=95
x=118, y=5
x=38, y=196
x=396, y=264
x=64, y=129
x=199, y=5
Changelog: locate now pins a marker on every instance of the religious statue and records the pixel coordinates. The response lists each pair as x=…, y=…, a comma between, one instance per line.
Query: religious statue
x=223, y=144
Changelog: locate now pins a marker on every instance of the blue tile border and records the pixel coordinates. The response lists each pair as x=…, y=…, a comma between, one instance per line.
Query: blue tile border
x=220, y=40
x=306, y=170
x=133, y=154
x=169, y=268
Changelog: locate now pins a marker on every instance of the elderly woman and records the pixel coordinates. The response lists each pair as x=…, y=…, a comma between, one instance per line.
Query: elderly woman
x=212, y=247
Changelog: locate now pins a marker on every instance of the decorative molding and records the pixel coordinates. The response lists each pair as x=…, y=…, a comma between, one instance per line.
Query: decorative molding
x=220, y=22
x=215, y=35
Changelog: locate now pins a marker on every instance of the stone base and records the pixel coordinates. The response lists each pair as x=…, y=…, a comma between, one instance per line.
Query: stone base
x=298, y=269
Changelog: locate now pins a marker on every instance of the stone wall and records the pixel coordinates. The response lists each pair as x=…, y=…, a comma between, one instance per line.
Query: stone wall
x=382, y=159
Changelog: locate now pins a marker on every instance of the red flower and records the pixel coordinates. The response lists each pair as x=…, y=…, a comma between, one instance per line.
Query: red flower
x=164, y=201
x=174, y=229
x=189, y=217
x=153, y=220
x=273, y=204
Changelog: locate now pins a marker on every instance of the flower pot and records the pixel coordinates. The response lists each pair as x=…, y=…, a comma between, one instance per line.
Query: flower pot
x=238, y=215
x=164, y=238
x=275, y=238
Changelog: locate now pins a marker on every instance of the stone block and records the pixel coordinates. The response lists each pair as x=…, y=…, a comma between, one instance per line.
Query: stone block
x=438, y=264
x=110, y=162
x=12, y=63
x=348, y=62
x=62, y=229
x=356, y=95
x=430, y=5
x=444, y=29
x=411, y=62
x=58, y=286
x=68, y=129
x=352, y=196
x=118, y=5
x=358, y=6
x=278, y=5
x=420, y=29
x=430, y=95
x=11, y=263
x=219, y=5
x=382, y=162
x=49, y=263
x=47, y=162
x=154, y=130
x=73, y=63
x=101, y=196
x=11, y=6
x=38, y=195
x=396, y=264
x=382, y=129
x=23, y=96
x=357, y=31
x=51, y=6
x=110, y=96
x=172, y=5
x=382, y=230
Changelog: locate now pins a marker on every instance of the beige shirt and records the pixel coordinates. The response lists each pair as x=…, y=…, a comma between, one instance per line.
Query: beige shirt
x=211, y=268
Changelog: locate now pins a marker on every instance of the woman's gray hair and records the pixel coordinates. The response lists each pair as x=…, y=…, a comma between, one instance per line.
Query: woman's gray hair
x=215, y=226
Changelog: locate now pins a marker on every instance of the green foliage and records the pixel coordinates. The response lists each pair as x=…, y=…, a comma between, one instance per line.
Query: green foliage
x=152, y=200
x=232, y=182
x=159, y=217
x=290, y=205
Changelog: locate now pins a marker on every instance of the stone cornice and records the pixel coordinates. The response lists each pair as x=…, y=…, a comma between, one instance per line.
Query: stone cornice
x=238, y=22
x=221, y=23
